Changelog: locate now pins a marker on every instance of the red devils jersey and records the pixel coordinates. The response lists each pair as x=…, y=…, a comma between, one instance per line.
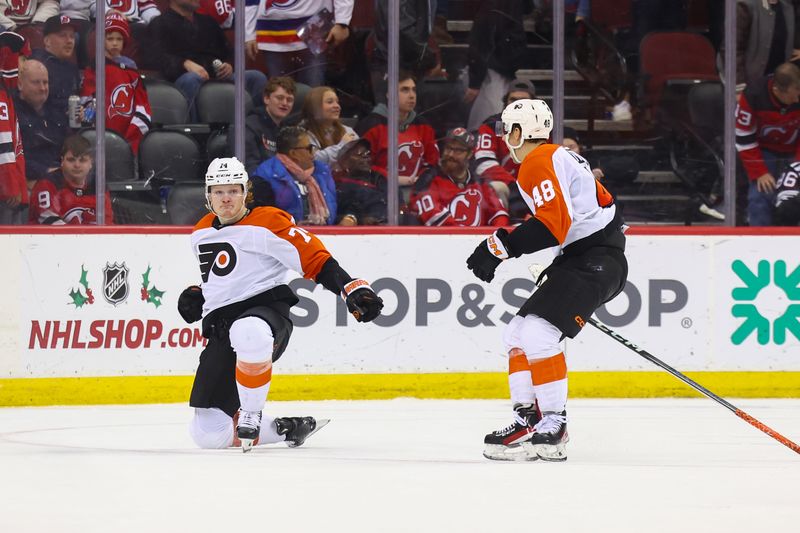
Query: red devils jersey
x=492, y=159
x=219, y=10
x=127, y=105
x=762, y=122
x=57, y=202
x=416, y=145
x=439, y=201
x=12, y=159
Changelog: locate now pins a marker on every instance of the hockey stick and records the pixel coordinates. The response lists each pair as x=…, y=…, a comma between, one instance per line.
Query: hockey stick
x=535, y=270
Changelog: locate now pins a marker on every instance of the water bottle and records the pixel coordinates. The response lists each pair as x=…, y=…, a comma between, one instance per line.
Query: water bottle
x=217, y=64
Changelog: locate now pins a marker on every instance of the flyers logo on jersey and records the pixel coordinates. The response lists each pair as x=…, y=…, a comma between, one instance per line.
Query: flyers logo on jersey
x=216, y=257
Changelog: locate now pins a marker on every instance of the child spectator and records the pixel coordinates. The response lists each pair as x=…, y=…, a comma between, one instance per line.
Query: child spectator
x=67, y=196
x=128, y=108
x=321, y=111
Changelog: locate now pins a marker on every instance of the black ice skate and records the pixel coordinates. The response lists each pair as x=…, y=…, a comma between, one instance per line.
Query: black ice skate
x=549, y=438
x=247, y=428
x=298, y=429
x=506, y=444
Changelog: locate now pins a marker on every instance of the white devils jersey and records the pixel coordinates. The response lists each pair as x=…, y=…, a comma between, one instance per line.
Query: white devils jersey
x=563, y=194
x=252, y=256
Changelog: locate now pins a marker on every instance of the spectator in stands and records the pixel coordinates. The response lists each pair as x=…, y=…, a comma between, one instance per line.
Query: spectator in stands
x=138, y=13
x=13, y=189
x=453, y=195
x=416, y=55
x=321, y=112
x=57, y=56
x=572, y=142
x=67, y=196
x=126, y=98
x=787, y=197
x=767, y=140
x=15, y=13
x=262, y=125
x=360, y=188
x=295, y=182
x=417, y=140
x=497, y=48
x=42, y=126
x=765, y=35
x=192, y=49
x=272, y=27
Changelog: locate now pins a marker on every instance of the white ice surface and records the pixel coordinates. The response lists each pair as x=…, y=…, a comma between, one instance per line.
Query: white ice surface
x=402, y=466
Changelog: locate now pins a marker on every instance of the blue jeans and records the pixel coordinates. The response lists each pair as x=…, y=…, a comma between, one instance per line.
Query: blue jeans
x=189, y=84
x=761, y=205
x=301, y=65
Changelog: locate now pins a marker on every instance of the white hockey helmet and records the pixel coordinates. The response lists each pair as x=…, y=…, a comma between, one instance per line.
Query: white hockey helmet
x=532, y=116
x=226, y=171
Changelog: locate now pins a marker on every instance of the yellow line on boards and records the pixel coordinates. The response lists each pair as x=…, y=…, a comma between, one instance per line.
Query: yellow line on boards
x=479, y=385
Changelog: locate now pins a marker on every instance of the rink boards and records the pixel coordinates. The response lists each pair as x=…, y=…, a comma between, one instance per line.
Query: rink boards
x=90, y=318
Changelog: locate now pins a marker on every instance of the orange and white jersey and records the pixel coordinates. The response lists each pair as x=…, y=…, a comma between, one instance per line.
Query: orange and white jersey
x=559, y=188
x=252, y=256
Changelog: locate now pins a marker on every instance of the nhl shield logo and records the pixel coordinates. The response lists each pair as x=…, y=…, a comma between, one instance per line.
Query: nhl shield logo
x=115, y=283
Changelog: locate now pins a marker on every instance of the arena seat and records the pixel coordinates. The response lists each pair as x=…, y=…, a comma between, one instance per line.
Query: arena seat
x=167, y=103
x=120, y=162
x=186, y=203
x=217, y=145
x=216, y=103
x=170, y=157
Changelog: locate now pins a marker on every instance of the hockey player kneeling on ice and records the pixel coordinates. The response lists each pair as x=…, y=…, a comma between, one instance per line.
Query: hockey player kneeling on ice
x=244, y=257
x=570, y=210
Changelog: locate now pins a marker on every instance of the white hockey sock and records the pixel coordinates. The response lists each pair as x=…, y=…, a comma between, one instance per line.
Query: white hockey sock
x=269, y=434
x=252, y=382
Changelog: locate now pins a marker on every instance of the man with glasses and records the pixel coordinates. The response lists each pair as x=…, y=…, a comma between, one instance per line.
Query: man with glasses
x=295, y=182
x=360, y=187
x=451, y=194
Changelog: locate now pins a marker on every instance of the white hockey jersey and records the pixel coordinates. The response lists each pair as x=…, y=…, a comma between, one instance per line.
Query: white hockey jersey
x=274, y=23
x=560, y=190
x=19, y=12
x=252, y=256
x=134, y=10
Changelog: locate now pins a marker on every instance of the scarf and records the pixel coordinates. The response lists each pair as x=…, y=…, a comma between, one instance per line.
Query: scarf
x=319, y=212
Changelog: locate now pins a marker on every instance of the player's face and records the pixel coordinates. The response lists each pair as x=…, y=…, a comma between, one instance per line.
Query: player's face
x=76, y=168
x=455, y=158
x=407, y=95
x=330, y=106
x=61, y=43
x=114, y=44
x=227, y=201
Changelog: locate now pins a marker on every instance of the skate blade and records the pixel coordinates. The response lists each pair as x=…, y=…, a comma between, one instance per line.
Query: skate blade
x=497, y=452
x=321, y=423
x=549, y=452
x=247, y=444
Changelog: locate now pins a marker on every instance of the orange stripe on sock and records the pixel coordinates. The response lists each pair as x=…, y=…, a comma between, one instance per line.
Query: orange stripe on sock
x=549, y=370
x=253, y=375
x=517, y=361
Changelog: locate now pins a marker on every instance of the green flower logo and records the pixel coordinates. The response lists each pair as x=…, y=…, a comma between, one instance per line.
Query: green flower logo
x=754, y=283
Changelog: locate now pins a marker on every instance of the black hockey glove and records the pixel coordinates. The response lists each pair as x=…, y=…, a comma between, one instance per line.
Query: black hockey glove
x=488, y=255
x=190, y=304
x=361, y=300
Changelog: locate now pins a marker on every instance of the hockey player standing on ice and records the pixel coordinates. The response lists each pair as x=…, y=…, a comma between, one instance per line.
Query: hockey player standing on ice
x=573, y=211
x=245, y=255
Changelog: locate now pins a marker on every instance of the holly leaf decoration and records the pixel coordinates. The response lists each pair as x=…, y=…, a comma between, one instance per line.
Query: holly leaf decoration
x=155, y=296
x=78, y=299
